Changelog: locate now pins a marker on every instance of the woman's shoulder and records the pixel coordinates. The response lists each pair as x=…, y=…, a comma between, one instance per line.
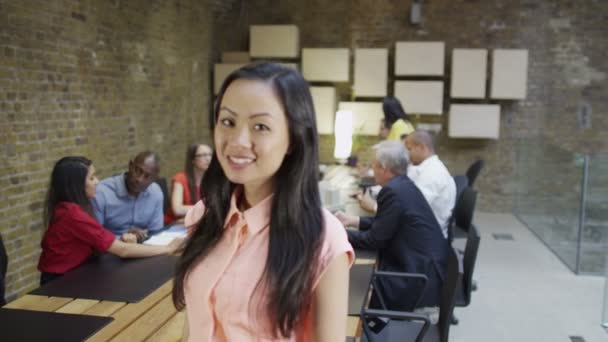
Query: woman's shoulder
x=194, y=214
x=71, y=212
x=335, y=243
x=180, y=177
x=332, y=224
x=335, y=237
x=68, y=209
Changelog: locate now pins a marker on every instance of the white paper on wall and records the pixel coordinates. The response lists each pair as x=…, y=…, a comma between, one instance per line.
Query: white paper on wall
x=366, y=116
x=324, y=100
x=419, y=58
x=330, y=65
x=220, y=72
x=420, y=97
x=371, y=72
x=281, y=41
x=474, y=121
x=469, y=73
x=509, y=74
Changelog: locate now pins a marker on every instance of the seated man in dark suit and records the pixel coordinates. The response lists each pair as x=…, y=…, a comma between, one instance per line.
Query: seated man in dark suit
x=404, y=231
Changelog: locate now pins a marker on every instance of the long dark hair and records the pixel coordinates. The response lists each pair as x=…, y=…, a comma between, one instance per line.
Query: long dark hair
x=68, y=185
x=393, y=111
x=296, y=221
x=189, y=170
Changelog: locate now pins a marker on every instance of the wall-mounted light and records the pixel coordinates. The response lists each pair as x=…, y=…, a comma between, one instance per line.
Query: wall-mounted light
x=343, y=133
x=416, y=12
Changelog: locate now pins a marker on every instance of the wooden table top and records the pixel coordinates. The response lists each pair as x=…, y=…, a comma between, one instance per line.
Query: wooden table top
x=153, y=319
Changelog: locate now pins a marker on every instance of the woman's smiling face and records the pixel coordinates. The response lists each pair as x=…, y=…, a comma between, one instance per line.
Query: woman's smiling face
x=251, y=134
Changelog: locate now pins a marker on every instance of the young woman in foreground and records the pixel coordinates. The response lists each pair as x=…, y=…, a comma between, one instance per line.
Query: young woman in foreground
x=264, y=262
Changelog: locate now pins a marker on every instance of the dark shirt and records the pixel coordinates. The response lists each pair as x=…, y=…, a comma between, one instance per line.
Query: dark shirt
x=408, y=238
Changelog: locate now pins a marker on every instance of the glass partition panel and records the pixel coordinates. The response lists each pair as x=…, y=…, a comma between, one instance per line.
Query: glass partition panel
x=605, y=310
x=548, y=181
x=594, y=246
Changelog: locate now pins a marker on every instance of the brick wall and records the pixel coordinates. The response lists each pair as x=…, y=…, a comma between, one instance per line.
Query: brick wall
x=565, y=40
x=107, y=79
x=104, y=79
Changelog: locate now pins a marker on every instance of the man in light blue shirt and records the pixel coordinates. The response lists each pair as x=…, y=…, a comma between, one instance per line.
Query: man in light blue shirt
x=132, y=202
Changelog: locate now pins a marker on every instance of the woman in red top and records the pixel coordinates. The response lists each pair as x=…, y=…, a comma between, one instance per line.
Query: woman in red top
x=186, y=184
x=73, y=233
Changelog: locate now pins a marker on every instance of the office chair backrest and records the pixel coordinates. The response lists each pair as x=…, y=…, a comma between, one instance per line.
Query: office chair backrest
x=465, y=208
x=468, y=263
x=461, y=183
x=448, y=294
x=162, y=182
x=474, y=170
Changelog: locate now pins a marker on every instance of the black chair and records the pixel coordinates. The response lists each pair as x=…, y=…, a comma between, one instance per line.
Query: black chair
x=3, y=268
x=463, y=213
x=408, y=326
x=474, y=170
x=162, y=182
x=462, y=182
x=465, y=286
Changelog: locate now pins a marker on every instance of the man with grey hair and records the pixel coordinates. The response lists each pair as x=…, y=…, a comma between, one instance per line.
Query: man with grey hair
x=404, y=232
x=430, y=176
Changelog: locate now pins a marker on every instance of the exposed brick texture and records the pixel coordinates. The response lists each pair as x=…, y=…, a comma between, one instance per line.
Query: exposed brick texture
x=104, y=79
x=565, y=40
x=107, y=79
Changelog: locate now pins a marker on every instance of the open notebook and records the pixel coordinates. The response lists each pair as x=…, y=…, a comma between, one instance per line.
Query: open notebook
x=166, y=236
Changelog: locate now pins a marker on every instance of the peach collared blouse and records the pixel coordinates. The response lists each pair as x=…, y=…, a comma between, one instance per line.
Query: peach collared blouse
x=221, y=303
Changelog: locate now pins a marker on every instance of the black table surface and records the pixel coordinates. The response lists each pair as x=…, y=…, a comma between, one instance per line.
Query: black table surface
x=27, y=325
x=360, y=275
x=359, y=278
x=108, y=277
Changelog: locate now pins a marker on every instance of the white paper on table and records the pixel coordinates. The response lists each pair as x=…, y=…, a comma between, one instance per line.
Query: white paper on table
x=164, y=238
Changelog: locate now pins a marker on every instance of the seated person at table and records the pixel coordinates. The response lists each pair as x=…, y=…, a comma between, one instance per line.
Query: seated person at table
x=431, y=176
x=132, y=202
x=73, y=233
x=404, y=232
x=186, y=184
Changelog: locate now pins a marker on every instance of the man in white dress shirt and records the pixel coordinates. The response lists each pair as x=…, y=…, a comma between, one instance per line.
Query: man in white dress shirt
x=431, y=176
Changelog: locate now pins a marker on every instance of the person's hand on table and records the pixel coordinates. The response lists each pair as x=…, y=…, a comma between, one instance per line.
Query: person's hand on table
x=128, y=238
x=367, y=202
x=347, y=220
x=174, y=246
x=141, y=234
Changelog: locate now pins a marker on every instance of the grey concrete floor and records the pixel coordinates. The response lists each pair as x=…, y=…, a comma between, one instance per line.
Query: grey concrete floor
x=525, y=293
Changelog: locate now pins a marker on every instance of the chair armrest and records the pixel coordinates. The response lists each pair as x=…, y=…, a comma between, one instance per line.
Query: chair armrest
x=377, y=274
x=399, y=274
x=402, y=315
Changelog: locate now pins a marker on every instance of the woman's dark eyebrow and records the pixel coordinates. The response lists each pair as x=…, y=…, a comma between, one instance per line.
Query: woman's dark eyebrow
x=228, y=110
